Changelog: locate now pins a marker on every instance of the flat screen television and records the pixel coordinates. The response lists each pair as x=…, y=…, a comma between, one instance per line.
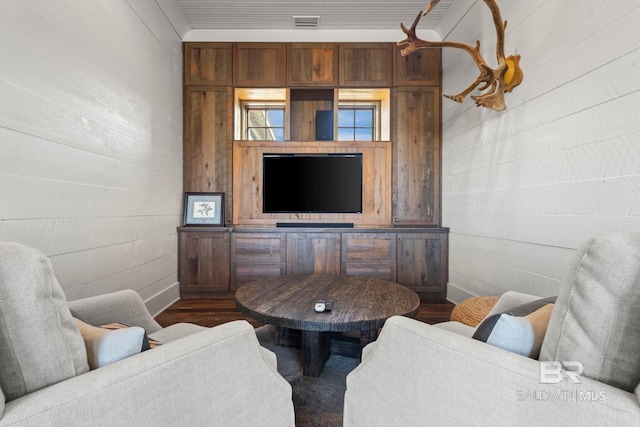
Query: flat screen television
x=312, y=183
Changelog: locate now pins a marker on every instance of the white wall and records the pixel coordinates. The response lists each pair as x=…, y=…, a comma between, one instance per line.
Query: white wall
x=91, y=142
x=524, y=187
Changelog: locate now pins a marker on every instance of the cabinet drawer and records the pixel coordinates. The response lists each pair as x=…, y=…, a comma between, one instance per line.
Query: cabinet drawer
x=369, y=254
x=256, y=256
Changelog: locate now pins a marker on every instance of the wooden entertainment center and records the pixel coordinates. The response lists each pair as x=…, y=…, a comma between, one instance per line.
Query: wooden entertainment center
x=398, y=235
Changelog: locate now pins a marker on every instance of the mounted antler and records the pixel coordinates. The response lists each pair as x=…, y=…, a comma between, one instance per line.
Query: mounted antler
x=506, y=76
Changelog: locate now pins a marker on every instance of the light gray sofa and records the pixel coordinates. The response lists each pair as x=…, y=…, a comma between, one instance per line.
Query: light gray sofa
x=420, y=375
x=197, y=377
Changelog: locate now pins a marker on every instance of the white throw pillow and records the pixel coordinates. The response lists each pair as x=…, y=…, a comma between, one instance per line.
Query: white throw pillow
x=522, y=334
x=105, y=346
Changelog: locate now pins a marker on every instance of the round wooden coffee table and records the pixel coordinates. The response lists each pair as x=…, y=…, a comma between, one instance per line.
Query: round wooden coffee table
x=359, y=304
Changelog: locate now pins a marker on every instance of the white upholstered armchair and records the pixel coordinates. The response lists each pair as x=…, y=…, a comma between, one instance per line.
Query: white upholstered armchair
x=196, y=377
x=420, y=375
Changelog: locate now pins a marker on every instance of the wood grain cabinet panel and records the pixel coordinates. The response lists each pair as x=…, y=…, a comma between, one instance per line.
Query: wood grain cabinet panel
x=259, y=64
x=416, y=159
x=369, y=254
x=312, y=64
x=255, y=256
x=309, y=253
x=422, y=263
x=204, y=262
x=208, y=64
x=366, y=64
x=208, y=142
x=420, y=68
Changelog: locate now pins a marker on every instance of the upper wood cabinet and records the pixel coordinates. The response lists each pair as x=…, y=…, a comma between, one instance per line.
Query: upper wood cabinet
x=208, y=141
x=366, y=64
x=259, y=64
x=420, y=68
x=208, y=64
x=312, y=64
x=416, y=157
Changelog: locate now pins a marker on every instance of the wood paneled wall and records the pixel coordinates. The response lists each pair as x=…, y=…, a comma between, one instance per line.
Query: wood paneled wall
x=90, y=141
x=523, y=188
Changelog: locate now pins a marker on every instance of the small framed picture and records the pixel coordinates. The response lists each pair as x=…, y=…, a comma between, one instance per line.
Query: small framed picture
x=204, y=209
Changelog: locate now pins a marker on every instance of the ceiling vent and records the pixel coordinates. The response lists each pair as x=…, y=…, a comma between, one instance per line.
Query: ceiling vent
x=306, y=21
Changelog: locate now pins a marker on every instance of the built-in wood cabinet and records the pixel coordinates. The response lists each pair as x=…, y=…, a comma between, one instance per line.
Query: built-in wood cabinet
x=221, y=260
x=312, y=64
x=366, y=64
x=401, y=185
x=259, y=64
x=416, y=184
x=203, y=267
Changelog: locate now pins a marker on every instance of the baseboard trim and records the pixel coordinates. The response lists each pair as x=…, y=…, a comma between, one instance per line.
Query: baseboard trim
x=456, y=294
x=159, y=302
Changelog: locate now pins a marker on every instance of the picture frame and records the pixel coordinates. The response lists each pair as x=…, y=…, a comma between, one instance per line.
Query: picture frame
x=203, y=209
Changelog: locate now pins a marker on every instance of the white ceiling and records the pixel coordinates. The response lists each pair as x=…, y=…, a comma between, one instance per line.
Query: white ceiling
x=334, y=14
x=383, y=15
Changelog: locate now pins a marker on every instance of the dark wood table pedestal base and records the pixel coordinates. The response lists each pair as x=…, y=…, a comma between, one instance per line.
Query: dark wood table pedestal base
x=317, y=346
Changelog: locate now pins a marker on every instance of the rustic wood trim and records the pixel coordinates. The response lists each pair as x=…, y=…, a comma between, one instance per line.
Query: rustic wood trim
x=247, y=188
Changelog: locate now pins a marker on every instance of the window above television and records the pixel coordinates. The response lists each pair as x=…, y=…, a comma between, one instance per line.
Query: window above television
x=289, y=114
x=264, y=121
x=357, y=122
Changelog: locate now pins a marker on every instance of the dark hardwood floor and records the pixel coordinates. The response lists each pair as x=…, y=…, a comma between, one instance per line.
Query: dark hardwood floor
x=214, y=311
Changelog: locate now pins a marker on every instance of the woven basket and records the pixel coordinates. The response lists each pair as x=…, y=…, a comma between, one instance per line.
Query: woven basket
x=471, y=311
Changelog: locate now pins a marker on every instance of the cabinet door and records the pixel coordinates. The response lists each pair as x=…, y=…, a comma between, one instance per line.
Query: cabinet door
x=259, y=64
x=255, y=256
x=312, y=64
x=369, y=254
x=207, y=159
x=366, y=64
x=423, y=263
x=416, y=157
x=309, y=253
x=420, y=68
x=204, y=262
x=208, y=64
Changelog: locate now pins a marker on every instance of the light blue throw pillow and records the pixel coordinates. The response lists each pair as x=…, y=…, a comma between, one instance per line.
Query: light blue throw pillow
x=521, y=335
